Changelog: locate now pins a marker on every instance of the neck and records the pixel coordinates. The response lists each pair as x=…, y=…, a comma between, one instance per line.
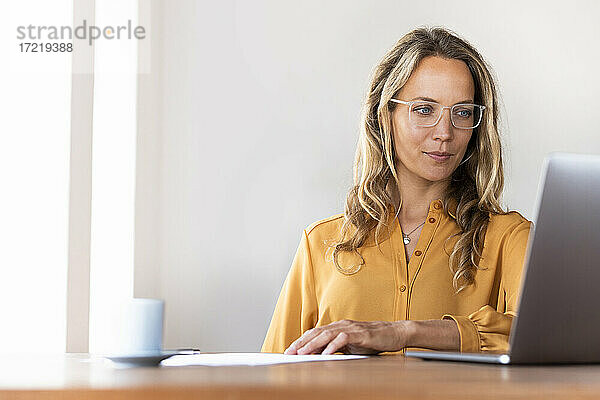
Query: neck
x=417, y=194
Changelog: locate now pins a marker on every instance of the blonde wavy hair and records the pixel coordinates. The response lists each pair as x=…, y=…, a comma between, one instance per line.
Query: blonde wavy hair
x=476, y=184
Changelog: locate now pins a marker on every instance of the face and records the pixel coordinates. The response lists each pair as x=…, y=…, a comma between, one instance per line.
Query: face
x=446, y=82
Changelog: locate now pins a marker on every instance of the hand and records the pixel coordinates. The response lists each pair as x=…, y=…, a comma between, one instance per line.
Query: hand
x=352, y=337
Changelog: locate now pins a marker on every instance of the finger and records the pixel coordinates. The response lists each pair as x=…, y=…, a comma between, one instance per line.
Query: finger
x=311, y=333
x=307, y=336
x=296, y=344
x=290, y=350
x=341, y=340
x=319, y=342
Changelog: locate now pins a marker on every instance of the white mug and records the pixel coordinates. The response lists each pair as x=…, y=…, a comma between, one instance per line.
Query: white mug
x=142, y=326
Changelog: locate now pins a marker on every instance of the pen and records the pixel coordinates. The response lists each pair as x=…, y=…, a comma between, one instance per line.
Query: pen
x=186, y=351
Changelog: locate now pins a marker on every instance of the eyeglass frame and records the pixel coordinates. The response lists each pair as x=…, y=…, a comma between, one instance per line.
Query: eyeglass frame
x=410, y=103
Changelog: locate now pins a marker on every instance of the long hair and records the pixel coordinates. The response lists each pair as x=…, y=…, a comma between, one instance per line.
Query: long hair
x=475, y=186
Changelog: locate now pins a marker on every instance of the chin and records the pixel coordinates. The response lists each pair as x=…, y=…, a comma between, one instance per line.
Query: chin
x=433, y=177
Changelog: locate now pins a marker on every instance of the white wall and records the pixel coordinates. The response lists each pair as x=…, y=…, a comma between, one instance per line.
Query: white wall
x=113, y=175
x=248, y=122
x=35, y=106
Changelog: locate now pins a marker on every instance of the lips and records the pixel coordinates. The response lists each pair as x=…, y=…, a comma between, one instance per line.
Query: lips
x=439, y=156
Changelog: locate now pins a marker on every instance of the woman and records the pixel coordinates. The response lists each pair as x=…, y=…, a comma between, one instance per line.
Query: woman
x=423, y=256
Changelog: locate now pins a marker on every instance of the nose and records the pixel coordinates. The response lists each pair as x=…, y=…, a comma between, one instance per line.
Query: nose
x=443, y=129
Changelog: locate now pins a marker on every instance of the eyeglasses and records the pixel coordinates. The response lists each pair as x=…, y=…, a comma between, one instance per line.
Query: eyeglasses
x=429, y=113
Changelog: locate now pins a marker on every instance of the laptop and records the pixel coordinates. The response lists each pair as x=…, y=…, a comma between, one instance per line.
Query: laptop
x=558, y=319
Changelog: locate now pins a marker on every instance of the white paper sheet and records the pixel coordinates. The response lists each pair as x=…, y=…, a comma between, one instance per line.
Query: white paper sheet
x=228, y=359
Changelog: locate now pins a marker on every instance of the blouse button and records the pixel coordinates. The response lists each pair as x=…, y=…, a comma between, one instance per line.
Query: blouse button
x=432, y=220
x=437, y=205
x=418, y=253
x=402, y=288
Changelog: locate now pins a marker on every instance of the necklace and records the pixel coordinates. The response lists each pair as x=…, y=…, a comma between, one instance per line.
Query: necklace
x=405, y=236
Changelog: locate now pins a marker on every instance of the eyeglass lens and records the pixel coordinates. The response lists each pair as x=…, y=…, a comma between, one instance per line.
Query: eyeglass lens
x=464, y=116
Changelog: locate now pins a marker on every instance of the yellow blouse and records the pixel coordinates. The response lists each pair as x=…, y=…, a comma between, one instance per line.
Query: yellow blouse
x=315, y=293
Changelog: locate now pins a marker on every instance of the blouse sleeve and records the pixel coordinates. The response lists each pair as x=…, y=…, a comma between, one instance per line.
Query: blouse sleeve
x=488, y=328
x=296, y=309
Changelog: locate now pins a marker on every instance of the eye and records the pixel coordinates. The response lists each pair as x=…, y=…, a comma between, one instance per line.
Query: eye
x=423, y=110
x=463, y=113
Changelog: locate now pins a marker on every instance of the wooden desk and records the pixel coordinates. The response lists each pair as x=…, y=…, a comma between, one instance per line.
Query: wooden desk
x=385, y=377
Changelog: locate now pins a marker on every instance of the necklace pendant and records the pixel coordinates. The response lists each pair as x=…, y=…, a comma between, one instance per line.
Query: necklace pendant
x=406, y=240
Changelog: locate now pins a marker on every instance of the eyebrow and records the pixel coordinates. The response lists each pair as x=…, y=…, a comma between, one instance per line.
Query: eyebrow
x=435, y=101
